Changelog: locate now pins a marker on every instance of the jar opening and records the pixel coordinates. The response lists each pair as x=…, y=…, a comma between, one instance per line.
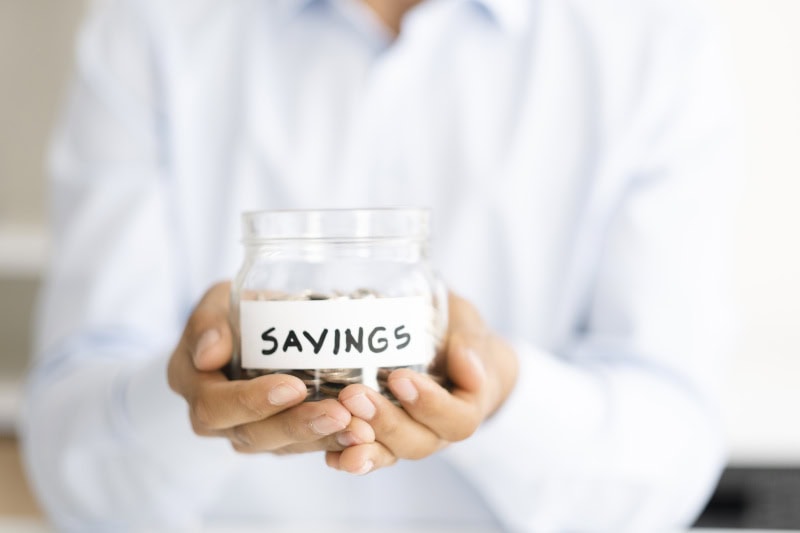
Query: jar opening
x=336, y=225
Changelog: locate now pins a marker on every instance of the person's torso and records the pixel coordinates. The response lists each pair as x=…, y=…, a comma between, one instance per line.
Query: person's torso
x=507, y=128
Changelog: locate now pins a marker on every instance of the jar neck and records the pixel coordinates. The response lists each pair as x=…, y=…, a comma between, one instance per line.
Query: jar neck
x=337, y=224
x=313, y=250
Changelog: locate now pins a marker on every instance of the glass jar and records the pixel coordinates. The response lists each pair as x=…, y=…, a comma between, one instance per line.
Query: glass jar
x=336, y=297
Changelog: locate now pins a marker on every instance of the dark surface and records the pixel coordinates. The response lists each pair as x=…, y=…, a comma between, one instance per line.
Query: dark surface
x=759, y=498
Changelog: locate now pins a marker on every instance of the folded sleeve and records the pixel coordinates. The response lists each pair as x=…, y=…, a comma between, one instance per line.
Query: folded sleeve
x=106, y=444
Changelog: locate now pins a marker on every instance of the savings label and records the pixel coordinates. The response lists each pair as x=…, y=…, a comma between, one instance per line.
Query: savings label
x=336, y=333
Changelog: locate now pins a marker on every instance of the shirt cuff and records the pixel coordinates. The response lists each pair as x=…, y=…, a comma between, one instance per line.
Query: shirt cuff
x=543, y=427
x=158, y=421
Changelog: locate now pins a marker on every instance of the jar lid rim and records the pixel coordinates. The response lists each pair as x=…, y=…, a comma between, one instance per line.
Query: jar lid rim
x=346, y=225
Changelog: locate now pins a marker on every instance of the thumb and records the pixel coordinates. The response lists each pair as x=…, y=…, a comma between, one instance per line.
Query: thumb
x=208, y=337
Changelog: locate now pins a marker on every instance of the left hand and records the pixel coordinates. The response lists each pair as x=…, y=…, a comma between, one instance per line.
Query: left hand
x=483, y=370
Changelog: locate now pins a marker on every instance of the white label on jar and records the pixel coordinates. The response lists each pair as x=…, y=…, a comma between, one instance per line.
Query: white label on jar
x=342, y=333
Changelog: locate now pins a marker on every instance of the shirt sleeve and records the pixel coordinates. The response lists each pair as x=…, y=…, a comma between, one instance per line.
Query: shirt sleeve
x=619, y=429
x=97, y=406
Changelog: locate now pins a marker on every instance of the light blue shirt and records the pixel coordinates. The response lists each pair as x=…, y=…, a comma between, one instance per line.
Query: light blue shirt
x=578, y=156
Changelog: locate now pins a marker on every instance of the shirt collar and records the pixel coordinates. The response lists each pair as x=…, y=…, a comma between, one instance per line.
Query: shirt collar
x=512, y=15
x=289, y=8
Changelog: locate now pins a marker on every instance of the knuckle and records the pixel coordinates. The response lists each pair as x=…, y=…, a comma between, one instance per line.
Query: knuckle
x=243, y=435
x=240, y=448
x=295, y=432
x=284, y=451
x=197, y=428
x=422, y=448
x=201, y=413
x=461, y=434
x=465, y=430
x=388, y=431
x=200, y=430
x=292, y=449
x=216, y=300
x=245, y=398
x=417, y=453
x=392, y=459
x=199, y=321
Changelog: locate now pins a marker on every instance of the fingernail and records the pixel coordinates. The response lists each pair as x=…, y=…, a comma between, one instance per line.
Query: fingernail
x=206, y=341
x=477, y=363
x=325, y=425
x=282, y=394
x=360, y=406
x=404, y=390
x=346, y=438
x=365, y=468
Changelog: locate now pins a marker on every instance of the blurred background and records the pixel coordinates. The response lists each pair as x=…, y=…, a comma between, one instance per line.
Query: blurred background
x=762, y=393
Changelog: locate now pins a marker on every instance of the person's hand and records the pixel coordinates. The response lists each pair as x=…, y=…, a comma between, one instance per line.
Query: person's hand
x=483, y=370
x=265, y=414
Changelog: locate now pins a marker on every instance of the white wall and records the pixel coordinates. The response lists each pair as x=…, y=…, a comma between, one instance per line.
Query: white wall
x=763, y=402
x=35, y=49
x=763, y=406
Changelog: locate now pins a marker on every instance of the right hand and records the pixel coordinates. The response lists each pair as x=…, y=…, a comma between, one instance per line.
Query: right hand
x=264, y=414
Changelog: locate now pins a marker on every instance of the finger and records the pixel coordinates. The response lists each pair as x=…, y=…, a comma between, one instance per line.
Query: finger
x=207, y=336
x=477, y=360
x=394, y=428
x=361, y=459
x=451, y=416
x=303, y=423
x=206, y=343
x=357, y=432
x=332, y=459
x=467, y=345
x=215, y=403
